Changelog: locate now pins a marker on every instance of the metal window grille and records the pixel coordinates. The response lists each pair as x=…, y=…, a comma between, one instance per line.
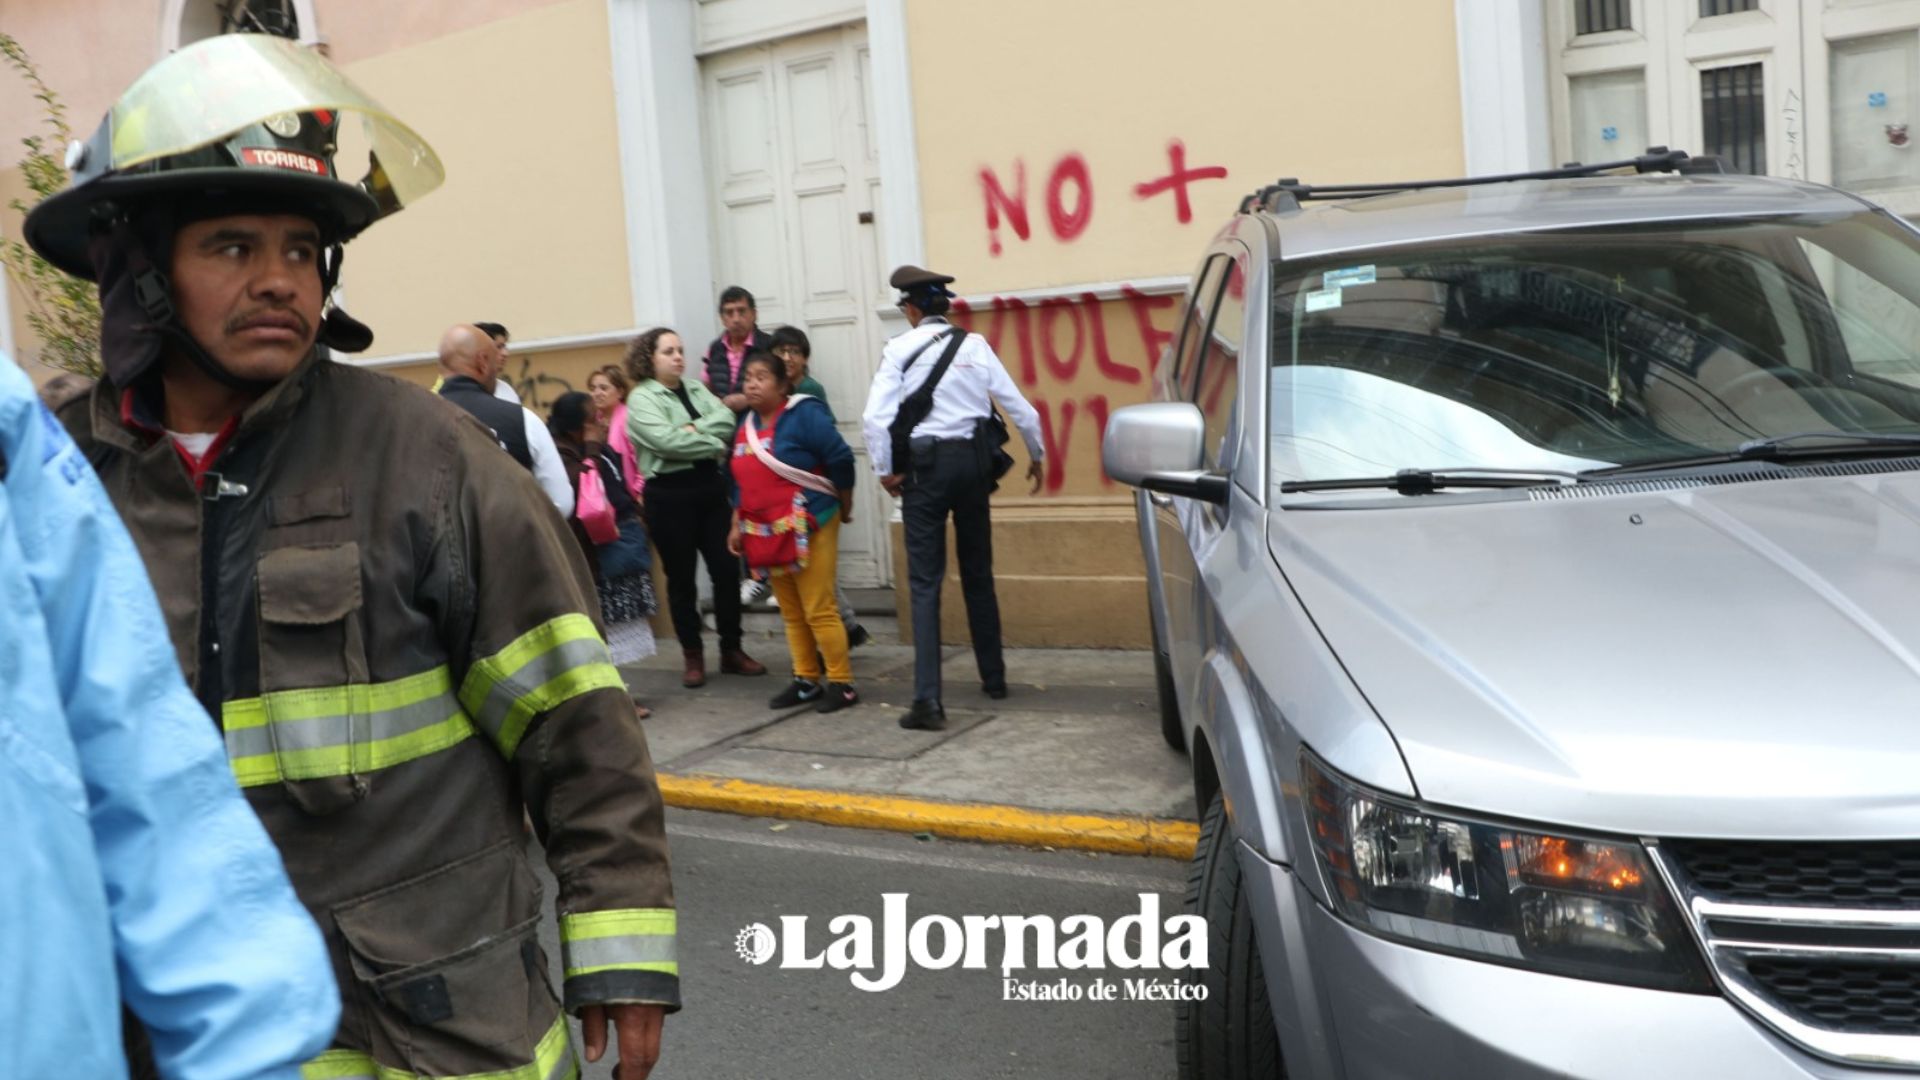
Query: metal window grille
x=1600, y=16
x=1710, y=8
x=1733, y=112
x=275, y=17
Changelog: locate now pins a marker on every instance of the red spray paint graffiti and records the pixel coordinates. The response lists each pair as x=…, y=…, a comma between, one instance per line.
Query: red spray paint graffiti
x=1047, y=346
x=1177, y=179
x=999, y=202
x=1070, y=220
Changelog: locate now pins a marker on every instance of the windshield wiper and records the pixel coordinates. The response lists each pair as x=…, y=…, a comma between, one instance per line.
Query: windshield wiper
x=1428, y=481
x=1780, y=448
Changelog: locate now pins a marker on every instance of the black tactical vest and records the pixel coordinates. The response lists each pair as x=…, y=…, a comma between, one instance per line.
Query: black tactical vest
x=504, y=418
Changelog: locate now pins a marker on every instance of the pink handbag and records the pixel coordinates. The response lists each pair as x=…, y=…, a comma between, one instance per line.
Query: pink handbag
x=592, y=507
x=629, y=463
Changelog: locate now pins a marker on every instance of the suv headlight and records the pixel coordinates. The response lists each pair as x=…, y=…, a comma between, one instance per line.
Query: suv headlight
x=1566, y=905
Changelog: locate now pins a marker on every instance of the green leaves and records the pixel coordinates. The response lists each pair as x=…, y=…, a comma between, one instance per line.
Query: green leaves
x=62, y=311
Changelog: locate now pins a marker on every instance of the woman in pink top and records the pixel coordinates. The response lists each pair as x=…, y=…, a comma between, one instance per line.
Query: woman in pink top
x=609, y=388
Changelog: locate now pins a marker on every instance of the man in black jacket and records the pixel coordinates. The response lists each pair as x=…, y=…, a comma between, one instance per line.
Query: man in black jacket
x=742, y=335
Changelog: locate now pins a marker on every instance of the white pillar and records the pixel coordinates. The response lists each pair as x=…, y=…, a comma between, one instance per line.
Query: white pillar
x=657, y=90
x=903, y=227
x=1503, y=85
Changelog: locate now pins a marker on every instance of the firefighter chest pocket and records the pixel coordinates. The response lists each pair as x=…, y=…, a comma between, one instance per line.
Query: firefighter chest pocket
x=449, y=967
x=313, y=712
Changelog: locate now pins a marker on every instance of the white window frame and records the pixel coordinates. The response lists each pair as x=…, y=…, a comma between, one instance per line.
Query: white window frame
x=1822, y=26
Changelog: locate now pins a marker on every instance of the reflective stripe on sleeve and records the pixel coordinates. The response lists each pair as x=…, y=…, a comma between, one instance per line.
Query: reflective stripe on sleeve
x=305, y=734
x=544, y=668
x=632, y=939
x=552, y=1060
x=340, y=1065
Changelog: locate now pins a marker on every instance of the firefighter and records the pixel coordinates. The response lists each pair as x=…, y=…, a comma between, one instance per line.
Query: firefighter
x=396, y=631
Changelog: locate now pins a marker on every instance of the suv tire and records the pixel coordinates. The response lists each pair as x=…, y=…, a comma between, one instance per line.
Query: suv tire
x=1230, y=1035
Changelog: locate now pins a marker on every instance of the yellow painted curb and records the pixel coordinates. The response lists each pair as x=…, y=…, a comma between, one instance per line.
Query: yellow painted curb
x=958, y=821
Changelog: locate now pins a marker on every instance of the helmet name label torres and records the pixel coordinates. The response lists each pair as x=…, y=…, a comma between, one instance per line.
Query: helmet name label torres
x=291, y=160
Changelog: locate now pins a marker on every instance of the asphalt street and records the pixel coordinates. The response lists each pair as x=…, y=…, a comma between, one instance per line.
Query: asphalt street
x=747, y=1022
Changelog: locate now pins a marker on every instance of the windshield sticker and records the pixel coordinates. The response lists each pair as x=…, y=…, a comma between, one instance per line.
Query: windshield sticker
x=1324, y=300
x=1352, y=275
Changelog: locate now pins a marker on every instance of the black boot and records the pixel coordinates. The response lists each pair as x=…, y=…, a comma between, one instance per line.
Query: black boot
x=926, y=716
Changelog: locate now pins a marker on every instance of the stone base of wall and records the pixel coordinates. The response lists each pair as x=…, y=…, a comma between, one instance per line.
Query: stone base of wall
x=1068, y=574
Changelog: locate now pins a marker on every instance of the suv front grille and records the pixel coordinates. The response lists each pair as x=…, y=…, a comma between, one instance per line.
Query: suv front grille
x=1883, y=876
x=1820, y=941
x=1857, y=997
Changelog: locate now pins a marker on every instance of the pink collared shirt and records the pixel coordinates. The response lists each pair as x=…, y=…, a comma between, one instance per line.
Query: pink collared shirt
x=735, y=357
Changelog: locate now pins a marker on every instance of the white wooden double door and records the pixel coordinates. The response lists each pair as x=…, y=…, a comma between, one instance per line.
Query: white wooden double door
x=795, y=180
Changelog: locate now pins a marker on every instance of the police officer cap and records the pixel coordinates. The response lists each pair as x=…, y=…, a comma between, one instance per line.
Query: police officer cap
x=910, y=277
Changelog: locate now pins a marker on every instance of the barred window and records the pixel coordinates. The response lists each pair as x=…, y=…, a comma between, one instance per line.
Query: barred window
x=1601, y=16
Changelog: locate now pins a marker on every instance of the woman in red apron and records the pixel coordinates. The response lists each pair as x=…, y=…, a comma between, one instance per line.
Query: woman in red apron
x=793, y=489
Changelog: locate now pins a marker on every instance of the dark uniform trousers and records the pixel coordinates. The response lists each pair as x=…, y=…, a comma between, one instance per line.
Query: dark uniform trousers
x=947, y=477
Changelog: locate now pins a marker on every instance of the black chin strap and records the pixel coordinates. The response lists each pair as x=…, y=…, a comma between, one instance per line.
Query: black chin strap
x=155, y=296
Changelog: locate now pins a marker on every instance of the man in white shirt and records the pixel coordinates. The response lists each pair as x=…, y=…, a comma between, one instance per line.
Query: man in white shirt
x=502, y=386
x=469, y=370
x=948, y=473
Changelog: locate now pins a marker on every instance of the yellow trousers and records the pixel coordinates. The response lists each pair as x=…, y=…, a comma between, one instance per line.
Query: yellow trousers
x=814, y=629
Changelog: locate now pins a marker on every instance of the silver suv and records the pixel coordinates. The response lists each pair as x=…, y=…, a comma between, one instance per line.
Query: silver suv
x=1534, y=567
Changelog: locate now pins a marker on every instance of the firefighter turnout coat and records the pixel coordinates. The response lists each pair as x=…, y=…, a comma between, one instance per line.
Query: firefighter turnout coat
x=400, y=638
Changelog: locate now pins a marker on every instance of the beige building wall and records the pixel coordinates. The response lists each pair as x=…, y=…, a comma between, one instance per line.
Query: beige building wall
x=515, y=95
x=530, y=229
x=1085, y=97
x=1055, y=144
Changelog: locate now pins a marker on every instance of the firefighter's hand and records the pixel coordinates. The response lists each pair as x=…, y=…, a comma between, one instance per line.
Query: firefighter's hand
x=1035, y=472
x=892, y=483
x=636, y=1031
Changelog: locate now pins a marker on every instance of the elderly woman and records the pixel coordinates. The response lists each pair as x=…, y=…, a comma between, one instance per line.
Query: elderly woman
x=620, y=561
x=680, y=434
x=793, y=487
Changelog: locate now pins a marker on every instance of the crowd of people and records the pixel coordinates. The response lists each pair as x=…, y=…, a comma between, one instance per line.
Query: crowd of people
x=739, y=466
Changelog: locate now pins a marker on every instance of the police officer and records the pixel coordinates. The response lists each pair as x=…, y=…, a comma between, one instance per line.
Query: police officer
x=948, y=447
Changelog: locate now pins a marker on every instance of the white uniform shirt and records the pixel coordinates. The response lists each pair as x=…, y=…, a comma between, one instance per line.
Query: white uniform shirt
x=548, y=469
x=965, y=395
x=504, y=390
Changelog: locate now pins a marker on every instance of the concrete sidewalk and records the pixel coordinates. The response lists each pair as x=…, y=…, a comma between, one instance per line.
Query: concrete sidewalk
x=1071, y=758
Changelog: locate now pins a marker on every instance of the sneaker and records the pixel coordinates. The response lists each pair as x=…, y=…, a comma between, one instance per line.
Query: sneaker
x=798, y=692
x=858, y=636
x=926, y=716
x=752, y=591
x=839, y=696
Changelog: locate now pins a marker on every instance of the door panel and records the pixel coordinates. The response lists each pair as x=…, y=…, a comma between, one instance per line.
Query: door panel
x=792, y=155
x=1180, y=524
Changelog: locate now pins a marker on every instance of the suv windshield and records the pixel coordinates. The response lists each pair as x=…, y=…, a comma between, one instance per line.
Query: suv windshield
x=1595, y=348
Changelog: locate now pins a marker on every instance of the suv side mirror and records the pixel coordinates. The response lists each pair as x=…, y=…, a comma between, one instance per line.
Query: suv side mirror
x=1159, y=447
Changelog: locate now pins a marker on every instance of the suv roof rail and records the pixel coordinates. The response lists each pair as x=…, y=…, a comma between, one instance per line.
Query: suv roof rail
x=1284, y=195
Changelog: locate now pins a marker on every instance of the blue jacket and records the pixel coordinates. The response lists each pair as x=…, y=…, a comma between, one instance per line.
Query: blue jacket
x=130, y=867
x=806, y=439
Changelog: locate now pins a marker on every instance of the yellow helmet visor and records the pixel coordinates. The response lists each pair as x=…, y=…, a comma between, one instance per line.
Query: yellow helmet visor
x=216, y=87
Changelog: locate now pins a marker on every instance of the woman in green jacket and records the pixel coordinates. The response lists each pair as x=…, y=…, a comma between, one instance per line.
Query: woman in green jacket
x=681, y=435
